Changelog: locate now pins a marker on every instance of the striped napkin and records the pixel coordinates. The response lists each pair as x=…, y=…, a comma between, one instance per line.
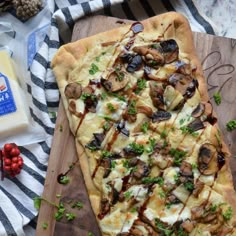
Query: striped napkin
x=17, y=213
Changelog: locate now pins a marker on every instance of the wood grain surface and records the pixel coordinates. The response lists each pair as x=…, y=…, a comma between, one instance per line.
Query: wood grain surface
x=218, y=57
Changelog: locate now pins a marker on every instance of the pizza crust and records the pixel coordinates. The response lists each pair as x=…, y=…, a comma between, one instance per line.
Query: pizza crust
x=70, y=59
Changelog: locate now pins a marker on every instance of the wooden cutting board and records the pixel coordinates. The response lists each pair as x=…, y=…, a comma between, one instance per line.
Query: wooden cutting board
x=218, y=57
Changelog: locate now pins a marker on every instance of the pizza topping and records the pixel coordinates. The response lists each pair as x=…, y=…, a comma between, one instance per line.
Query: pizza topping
x=195, y=125
x=90, y=100
x=137, y=27
x=95, y=144
x=115, y=82
x=198, y=187
x=156, y=94
x=207, y=159
x=141, y=170
x=104, y=208
x=152, y=56
x=73, y=90
x=134, y=149
x=134, y=64
x=170, y=50
x=145, y=110
x=198, y=111
x=121, y=128
x=161, y=116
x=221, y=160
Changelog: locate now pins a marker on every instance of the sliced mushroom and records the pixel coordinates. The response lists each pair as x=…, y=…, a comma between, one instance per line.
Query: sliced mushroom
x=161, y=116
x=196, y=125
x=88, y=90
x=199, y=110
x=91, y=103
x=73, y=90
x=183, y=68
x=188, y=226
x=170, y=50
x=121, y=128
x=172, y=199
x=114, y=196
x=207, y=159
x=72, y=109
x=148, y=73
x=193, y=85
x=140, y=228
x=198, y=187
x=135, y=64
x=144, y=110
x=106, y=164
x=104, y=208
x=114, y=83
x=141, y=170
x=186, y=169
x=95, y=144
x=198, y=211
x=156, y=94
x=152, y=56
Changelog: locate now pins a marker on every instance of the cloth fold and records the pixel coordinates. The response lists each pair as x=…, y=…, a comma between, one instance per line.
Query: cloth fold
x=43, y=94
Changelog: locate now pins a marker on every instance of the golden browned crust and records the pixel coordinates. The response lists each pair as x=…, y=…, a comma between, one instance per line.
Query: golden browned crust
x=167, y=26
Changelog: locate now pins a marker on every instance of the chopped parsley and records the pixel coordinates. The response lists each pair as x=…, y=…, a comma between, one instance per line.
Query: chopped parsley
x=136, y=148
x=128, y=194
x=152, y=144
x=106, y=126
x=60, y=212
x=94, y=69
x=178, y=156
x=64, y=179
x=141, y=84
x=144, y=127
x=110, y=107
x=90, y=234
x=213, y=208
x=168, y=205
x=113, y=164
x=188, y=130
x=162, y=194
x=98, y=57
x=120, y=76
x=189, y=186
x=106, y=154
x=228, y=214
x=85, y=96
x=116, y=95
x=131, y=109
x=217, y=98
x=155, y=46
x=160, y=226
x=194, y=166
x=103, y=95
x=176, y=178
x=70, y=216
x=126, y=164
x=153, y=180
x=181, y=121
x=45, y=225
x=231, y=125
x=78, y=205
x=163, y=134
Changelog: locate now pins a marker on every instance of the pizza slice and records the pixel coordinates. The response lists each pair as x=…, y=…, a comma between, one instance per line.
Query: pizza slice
x=154, y=160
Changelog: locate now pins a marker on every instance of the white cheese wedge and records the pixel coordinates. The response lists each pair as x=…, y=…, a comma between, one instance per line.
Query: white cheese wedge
x=13, y=113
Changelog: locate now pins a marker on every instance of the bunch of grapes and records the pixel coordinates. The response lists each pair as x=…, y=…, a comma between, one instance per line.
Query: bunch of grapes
x=12, y=161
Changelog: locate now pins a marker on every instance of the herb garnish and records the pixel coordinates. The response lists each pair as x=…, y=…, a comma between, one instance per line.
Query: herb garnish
x=189, y=186
x=217, y=98
x=110, y=107
x=78, y=205
x=178, y=156
x=45, y=225
x=106, y=154
x=186, y=130
x=160, y=226
x=152, y=144
x=136, y=148
x=228, y=214
x=127, y=194
x=70, y=216
x=94, y=69
x=131, y=109
x=153, y=180
x=144, y=127
x=85, y=96
x=64, y=179
x=141, y=84
x=231, y=125
x=163, y=134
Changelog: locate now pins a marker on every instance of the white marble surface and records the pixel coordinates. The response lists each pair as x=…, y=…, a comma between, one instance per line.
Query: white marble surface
x=222, y=13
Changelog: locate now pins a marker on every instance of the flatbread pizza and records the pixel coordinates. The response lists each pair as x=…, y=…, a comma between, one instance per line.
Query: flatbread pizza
x=154, y=160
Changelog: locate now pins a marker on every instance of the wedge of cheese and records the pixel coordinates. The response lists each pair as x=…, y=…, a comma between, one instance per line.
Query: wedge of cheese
x=13, y=112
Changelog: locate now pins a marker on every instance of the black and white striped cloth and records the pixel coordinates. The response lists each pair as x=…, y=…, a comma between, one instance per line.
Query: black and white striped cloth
x=17, y=212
